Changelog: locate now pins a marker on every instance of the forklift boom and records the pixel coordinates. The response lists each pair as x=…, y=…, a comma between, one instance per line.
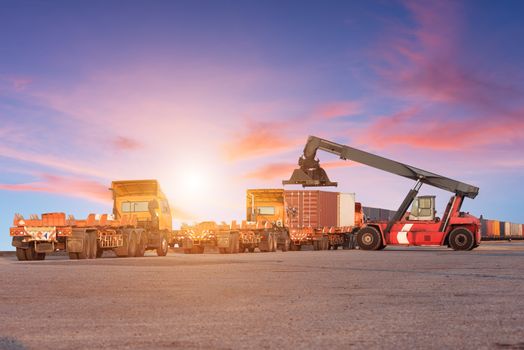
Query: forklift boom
x=311, y=174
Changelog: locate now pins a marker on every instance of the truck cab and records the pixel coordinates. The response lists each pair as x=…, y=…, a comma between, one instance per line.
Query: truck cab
x=145, y=200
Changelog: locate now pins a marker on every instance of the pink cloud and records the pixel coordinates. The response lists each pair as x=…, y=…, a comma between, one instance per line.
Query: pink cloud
x=51, y=162
x=409, y=128
x=67, y=186
x=260, y=139
x=422, y=61
x=124, y=143
x=339, y=109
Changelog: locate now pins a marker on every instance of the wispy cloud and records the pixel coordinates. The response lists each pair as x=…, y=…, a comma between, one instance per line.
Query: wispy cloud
x=338, y=109
x=410, y=128
x=62, y=185
x=260, y=139
x=122, y=143
x=425, y=60
x=51, y=162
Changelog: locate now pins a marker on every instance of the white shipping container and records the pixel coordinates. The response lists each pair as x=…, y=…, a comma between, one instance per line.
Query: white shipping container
x=507, y=229
x=346, y=209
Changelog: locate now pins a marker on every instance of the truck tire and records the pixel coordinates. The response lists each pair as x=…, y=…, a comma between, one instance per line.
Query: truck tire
x=163, y=248
x=285, y=246
x=140, y=249
x=131, y=245
x=461, y=239
x=20, y=254
x=368, y=238
x=99, y=252
x=251, y=249
x=73, y=256
x=275, y=244
x=40, y=256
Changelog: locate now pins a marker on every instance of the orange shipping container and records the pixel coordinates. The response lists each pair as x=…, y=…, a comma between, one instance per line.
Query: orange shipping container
x=311, y=208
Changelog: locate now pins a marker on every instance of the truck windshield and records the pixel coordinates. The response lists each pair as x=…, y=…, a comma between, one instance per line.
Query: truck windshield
x=266, y=210
x=130, y=207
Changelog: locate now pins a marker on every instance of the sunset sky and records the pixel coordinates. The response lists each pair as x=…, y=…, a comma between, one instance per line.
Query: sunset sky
x=214, y=97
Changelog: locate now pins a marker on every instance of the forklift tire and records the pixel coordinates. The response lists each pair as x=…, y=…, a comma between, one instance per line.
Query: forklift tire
x=461, y=239
x=368, y=238
x=20, y=254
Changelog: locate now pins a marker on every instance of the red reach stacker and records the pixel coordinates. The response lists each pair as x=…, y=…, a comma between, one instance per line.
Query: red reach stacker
x=420, y=227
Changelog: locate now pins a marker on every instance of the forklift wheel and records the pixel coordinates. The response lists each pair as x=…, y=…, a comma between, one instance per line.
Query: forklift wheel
x=461, y=239
x=368, y=238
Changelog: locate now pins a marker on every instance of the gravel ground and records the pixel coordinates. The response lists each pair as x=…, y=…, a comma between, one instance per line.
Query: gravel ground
x=391, y=299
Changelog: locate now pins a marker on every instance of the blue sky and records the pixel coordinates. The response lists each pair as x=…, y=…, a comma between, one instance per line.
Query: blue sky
x=214, y=97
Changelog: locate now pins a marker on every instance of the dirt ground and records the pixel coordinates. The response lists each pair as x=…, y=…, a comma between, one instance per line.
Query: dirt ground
x=391, y=299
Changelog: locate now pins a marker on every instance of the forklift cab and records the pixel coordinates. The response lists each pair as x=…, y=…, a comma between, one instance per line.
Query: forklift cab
x=423, y=209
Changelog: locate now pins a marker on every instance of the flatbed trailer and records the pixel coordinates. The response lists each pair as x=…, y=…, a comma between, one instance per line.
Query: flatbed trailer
x=141, y=221
x=230, y=239
x=81, y=239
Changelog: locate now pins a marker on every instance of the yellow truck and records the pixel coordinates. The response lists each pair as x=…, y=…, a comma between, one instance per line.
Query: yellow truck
x=141, y=221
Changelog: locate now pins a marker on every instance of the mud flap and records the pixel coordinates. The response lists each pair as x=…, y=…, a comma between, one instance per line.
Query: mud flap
x=75, y=244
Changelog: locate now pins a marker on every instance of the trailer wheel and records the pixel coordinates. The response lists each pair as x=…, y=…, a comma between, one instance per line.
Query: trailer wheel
x=20, y=254
x=164, y=247
x=461, y=239
x=368, y=238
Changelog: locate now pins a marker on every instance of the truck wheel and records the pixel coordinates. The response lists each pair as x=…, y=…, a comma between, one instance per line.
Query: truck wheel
x=99, y=252
x=368, y=238
x=30, y=253
x=461, y=239
x=285, y=247
x=164, y=247
x=140, y=249
x=40, y=256
x=275, y=244
x=131, y=245
x=251, y=249
x=20, y=254
x=73, y=256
